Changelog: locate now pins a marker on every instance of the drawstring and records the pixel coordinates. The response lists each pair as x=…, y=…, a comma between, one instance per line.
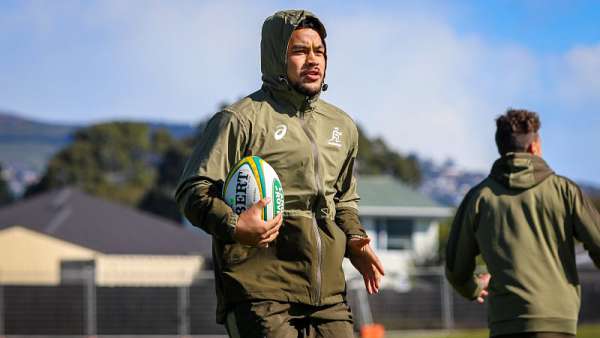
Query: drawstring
x=283, y=79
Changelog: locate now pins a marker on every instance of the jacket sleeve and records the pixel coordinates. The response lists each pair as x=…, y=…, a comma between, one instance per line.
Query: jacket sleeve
x=346, y=198
x=462, y=249
x=198, y=194
x=586, y=224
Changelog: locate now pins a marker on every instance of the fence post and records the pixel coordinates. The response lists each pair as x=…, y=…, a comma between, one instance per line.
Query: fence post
x=90, y=300
x=447, y=308
x=366, y=317
x=183, y=310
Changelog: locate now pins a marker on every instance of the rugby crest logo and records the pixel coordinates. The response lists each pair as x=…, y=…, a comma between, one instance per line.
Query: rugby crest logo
x=336, y=137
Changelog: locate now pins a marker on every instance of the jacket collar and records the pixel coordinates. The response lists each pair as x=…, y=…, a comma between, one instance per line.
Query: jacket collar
x=520, y=170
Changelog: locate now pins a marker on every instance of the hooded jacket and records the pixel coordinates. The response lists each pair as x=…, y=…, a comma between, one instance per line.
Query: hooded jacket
x=312, y=146
x=524, y=220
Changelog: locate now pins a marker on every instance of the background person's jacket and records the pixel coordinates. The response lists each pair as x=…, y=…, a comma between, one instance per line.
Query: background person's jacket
x=312, y=146
x=524, y=220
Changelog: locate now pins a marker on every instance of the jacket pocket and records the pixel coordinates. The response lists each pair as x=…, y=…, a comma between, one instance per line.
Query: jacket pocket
x=237, y=253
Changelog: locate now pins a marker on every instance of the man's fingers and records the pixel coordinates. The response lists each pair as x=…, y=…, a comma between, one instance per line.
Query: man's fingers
x=375, y=260
x=275, y=222
x=265, y=242
x=377, y=281
x=368, y=285
x=262, y=203
x=377, y=263
x=270, y=232
x=374, y=286
x=481, y=297
x=371, y=283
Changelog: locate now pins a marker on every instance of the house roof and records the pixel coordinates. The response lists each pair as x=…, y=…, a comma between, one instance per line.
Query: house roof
x=74, y=216
x=387, y=196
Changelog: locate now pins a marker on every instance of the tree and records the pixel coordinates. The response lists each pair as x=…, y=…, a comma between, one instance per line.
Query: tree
x=114, y=160
x=160, y=199
x=6, y=196
x=376, y=158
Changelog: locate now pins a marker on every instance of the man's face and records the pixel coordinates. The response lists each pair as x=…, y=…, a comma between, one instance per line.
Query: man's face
x=306, y=61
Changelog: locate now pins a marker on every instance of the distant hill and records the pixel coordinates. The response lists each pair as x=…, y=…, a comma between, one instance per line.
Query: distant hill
x=447, y=183
x=27, y=144
x=592, y=191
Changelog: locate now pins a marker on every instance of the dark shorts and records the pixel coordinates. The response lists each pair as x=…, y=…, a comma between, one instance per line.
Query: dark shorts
x=271, y=319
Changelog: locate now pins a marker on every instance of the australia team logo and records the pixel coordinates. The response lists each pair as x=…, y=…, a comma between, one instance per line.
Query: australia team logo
x=336, y=137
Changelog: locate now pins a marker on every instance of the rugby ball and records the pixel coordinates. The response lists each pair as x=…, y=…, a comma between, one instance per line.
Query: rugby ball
x=250, y=180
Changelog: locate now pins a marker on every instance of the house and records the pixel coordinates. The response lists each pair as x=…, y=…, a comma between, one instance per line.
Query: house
x=402, y=224
x=54, y=237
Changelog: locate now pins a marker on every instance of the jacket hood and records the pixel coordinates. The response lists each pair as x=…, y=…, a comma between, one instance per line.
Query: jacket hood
x=520, y=170
x=276, y=32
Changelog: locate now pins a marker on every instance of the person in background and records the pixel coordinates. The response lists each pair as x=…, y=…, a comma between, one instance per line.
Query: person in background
x=524, y=220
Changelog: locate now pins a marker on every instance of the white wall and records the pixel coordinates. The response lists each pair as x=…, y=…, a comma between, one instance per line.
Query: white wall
x=425, y=240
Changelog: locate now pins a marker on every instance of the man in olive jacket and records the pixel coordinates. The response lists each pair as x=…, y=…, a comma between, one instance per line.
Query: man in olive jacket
x=283, y=277
x=524, y=220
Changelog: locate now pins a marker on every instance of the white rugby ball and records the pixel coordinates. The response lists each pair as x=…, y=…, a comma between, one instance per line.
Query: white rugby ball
x=250, y=180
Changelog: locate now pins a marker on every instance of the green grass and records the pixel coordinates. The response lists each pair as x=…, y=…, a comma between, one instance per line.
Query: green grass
x=584, y=331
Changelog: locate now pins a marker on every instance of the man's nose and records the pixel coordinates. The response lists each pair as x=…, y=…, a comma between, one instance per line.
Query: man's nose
x=311, y=57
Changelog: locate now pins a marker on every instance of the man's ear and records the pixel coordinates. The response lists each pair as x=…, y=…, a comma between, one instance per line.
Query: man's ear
x=531, y=148
x=535, y=148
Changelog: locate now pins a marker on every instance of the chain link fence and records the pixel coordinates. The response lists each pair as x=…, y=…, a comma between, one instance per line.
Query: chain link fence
x=88, y=309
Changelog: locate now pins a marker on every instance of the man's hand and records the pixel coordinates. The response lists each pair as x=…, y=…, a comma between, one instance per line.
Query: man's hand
x=252, y=230
x=484, y=280
x=366, y=262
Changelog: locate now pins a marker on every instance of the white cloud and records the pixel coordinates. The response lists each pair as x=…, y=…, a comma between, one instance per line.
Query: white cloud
x=577, y=80
x=403, y=71
x=188, y=57
x=424, y=87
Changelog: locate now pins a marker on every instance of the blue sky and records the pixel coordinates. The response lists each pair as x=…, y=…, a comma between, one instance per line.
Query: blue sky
x=430, y=77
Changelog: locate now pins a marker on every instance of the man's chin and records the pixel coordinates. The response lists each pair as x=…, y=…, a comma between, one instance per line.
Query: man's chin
x=308, y=90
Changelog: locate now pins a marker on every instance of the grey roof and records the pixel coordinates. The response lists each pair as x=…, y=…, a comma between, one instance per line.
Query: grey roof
x=100, y=225
x=387, y=196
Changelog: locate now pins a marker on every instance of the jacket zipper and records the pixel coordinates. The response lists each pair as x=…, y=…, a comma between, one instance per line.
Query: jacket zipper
x=315, y=152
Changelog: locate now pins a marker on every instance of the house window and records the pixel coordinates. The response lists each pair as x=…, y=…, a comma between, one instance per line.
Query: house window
x=399, y=233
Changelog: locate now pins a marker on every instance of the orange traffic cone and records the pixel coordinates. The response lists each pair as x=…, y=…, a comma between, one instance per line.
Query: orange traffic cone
x=372, y=331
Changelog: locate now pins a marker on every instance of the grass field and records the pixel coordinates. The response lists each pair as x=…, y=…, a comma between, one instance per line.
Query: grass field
x=584, y=331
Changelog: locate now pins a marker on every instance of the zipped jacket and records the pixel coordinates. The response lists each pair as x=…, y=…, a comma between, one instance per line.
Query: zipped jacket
x=524, y=220
x=312, y=146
